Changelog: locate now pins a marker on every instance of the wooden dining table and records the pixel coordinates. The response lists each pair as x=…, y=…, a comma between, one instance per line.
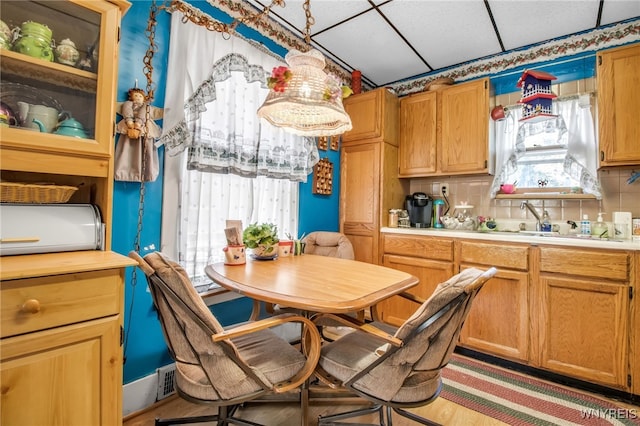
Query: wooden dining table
x=312, y=283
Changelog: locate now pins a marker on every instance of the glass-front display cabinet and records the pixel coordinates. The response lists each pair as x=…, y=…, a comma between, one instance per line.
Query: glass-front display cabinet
x=62, y=324
x=58, y=73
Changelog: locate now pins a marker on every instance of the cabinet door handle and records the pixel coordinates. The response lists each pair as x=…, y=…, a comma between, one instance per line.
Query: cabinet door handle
x=20, y=240
x=31, y=306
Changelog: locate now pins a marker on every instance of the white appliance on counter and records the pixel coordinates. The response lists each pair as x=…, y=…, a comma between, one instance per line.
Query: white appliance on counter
x=49, y=228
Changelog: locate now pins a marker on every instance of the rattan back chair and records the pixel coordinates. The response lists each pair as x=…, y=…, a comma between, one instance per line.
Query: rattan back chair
x=396, y=368
x=219, y=366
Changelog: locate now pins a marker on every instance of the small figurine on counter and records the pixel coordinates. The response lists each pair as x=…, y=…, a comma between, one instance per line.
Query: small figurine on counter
x=137, y=140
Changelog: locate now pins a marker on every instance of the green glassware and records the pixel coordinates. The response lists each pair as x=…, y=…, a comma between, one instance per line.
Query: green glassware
x=35, y=41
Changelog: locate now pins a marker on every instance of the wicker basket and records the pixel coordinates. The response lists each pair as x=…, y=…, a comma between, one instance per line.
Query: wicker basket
x=12, y=192
x=439, y=83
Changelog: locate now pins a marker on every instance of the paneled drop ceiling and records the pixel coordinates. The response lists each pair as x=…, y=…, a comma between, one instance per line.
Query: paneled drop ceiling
x=395, y=40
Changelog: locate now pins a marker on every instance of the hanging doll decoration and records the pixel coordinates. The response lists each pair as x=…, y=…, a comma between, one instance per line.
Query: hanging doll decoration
x=136, y=143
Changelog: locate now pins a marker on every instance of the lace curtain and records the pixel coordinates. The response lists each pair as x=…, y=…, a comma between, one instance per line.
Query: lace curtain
x=222, y=162
x=573, y=127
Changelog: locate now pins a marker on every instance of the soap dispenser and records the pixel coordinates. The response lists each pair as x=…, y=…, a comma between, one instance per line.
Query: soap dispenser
x=585, y=225
x=600, y=228
x=546, y=222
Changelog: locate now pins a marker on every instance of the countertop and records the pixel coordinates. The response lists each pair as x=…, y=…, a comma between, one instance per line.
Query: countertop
x=514, y=237
x=45, y=264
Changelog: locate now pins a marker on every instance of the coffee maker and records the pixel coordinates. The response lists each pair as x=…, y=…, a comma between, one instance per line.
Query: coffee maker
x=420, y=208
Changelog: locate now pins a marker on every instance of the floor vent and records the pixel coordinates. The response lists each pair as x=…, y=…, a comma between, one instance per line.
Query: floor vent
x=166, y=381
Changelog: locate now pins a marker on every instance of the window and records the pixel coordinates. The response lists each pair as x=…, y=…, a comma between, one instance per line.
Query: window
x=222, y=162
x=559, y=152
x=209, y=199
x=542, y=162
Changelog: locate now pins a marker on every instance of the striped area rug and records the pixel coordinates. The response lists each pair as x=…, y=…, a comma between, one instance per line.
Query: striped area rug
x=522, y=400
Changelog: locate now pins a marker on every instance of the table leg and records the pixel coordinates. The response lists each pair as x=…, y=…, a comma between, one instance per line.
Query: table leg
x=304, y=403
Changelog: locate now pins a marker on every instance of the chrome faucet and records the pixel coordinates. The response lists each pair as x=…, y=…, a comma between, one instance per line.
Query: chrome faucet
x=533, y=212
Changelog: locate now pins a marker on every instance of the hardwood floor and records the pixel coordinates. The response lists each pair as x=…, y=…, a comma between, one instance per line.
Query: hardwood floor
x=288, y=414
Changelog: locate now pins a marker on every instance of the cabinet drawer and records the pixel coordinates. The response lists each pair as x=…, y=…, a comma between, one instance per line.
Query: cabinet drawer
x=38, y=303
x=416, y=246
x=586, y=263
x=505, y=256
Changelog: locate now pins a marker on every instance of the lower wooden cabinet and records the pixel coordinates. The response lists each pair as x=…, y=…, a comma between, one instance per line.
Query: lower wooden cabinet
x=429, y=259
x=61, y=338
x=498, y=322
x=584, y=314
x=634, y=350
x=567, y=310
x=68, y=376
x=430, y=273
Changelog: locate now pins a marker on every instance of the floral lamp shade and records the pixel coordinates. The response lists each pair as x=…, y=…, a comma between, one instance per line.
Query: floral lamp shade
x=304, y=99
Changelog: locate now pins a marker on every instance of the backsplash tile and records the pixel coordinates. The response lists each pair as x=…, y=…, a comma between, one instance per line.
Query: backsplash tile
x=474, y=190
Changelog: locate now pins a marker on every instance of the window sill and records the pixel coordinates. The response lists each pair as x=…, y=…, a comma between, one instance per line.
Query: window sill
x=545, y=194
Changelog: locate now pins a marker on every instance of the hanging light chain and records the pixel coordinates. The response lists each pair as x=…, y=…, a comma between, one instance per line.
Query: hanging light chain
x=194, y=15
x=258, y=16
x=310, y=21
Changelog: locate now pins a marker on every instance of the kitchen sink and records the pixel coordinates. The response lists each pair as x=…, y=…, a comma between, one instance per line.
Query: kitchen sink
x=548, y=235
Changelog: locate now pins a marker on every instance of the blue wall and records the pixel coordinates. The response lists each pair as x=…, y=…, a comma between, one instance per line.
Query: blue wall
x=144, y=345
x=320, y=212
x=144, y=349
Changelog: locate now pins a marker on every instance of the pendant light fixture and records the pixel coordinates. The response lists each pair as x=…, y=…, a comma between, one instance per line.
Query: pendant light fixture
x=303, y=99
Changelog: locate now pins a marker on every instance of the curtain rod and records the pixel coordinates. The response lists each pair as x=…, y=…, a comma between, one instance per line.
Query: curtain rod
x=560, y=98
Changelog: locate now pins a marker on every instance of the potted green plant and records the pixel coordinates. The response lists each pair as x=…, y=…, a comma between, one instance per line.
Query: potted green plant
x=262, y=239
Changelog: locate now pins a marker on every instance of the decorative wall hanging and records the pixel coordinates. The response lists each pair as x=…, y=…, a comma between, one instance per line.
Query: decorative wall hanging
x=537, y=97
x=335, y=142
x=323, y=177
x=323, y=143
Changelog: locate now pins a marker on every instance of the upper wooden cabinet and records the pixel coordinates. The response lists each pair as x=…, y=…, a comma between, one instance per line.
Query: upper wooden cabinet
x=446, y=131
x=418, y=134
x=374, y=116
x=618, y=105
x=86, y=93
x=463, y=140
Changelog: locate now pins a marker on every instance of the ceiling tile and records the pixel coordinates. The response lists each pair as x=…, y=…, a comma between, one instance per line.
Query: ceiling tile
x=619, y=10
x=325, y=12
x=369, y=44
x=445, y=32
x=526, y=22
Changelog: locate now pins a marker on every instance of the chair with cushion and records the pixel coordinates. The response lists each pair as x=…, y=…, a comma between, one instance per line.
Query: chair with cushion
x=396, y=368
x=325, y=243
x=218, y=366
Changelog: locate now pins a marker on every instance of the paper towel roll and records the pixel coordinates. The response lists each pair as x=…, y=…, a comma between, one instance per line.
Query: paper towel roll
x=622, y=225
